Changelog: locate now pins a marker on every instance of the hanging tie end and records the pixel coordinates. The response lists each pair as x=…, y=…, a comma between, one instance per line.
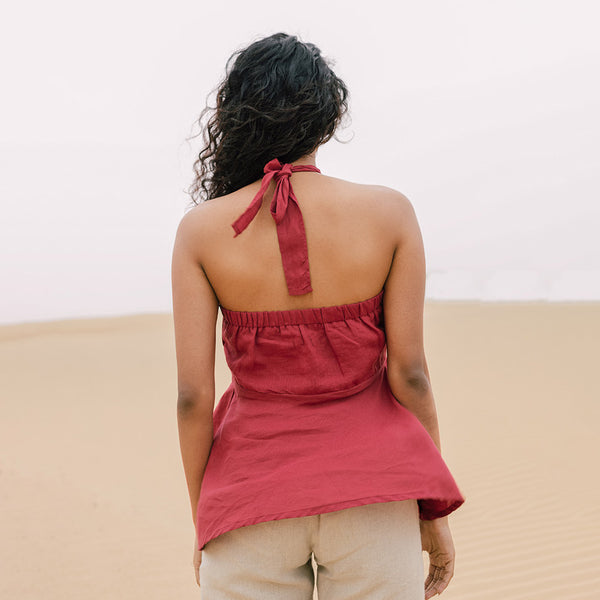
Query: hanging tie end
x=299, y=289
x=237, y=228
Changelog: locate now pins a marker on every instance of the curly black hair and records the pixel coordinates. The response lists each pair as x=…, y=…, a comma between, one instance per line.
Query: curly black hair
x=279, y=99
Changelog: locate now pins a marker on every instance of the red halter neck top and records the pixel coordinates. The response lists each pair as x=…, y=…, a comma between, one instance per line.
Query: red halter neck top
x=290, y=225
x=309, y=423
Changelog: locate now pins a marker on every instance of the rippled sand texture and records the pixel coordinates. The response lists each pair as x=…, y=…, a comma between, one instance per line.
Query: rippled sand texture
x=93, y=499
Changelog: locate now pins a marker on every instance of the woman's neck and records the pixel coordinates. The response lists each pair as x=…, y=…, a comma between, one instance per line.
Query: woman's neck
x=308, y=159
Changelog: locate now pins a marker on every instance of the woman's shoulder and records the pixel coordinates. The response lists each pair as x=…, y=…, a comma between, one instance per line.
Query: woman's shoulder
x=390, y=202
x=222, y=209
x=379, y=192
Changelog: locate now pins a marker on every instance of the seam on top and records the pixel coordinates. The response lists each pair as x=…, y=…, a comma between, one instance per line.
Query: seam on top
x=298, y=316
x=355, y=388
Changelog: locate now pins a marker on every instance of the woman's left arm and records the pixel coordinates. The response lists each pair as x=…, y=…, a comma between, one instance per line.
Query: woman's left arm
x=195, y=308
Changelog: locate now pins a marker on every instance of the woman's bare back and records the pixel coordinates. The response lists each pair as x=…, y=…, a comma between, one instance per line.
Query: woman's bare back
x=351, y=230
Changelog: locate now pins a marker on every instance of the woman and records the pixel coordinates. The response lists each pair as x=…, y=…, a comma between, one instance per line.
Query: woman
x=325, y=447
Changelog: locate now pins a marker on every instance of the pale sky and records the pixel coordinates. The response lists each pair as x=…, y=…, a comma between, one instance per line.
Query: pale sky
x=484, y=114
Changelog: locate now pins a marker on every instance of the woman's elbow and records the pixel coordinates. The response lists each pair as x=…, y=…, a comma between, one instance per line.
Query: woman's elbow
x=194, y=405
x=412, y=379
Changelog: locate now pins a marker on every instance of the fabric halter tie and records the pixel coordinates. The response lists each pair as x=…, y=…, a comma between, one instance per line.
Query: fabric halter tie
x=288, y=219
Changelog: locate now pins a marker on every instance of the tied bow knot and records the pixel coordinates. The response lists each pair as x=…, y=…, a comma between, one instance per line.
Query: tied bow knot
x=278, y=169
x=288, y=218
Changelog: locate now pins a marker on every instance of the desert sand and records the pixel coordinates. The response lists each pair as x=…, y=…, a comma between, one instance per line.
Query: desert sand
x=93, y=502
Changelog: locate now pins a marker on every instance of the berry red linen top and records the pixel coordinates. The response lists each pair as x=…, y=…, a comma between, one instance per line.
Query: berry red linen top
x=309, y=424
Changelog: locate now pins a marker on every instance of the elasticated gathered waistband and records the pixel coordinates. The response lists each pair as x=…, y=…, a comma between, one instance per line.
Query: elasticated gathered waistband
x=298, y=316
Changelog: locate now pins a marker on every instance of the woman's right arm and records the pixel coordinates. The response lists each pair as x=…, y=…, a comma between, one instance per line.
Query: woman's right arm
x=407, y=370
x=404, y=298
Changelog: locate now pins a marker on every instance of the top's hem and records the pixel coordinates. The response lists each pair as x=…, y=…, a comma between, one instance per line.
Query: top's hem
x=297, y=316
x=326, y=508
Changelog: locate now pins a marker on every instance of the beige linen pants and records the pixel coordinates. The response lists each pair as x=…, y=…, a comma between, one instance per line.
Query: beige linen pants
x=369, y=552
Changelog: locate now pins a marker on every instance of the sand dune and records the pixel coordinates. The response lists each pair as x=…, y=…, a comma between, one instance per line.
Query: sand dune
x=92, y=494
